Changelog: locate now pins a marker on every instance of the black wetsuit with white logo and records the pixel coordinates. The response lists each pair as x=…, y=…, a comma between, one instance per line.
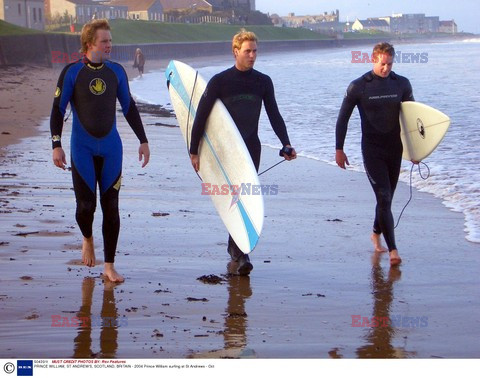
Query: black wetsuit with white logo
x=378, y=100
x=242, y=92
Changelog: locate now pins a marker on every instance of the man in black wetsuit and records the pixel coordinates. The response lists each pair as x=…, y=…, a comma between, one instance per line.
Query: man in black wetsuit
x=378, y=95
x=92, y=86
x=242, y=89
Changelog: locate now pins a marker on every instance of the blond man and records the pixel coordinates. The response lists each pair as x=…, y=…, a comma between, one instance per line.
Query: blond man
x=91, y=86
x=243, y=90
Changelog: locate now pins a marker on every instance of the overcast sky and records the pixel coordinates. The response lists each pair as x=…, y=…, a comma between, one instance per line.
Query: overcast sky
x=466, y=13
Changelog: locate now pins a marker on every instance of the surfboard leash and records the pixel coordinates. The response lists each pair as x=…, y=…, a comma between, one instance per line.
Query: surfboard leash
x=273, y=166
x=411, y=187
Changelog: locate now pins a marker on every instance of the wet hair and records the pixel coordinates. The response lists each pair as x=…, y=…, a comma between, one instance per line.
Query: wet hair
x=89, y=32
x=383, y=48
x=242, y=36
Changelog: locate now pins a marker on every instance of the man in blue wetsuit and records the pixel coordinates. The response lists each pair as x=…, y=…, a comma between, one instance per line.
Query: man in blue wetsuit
x=92, y=86
x=242, y=89
x=378, y=95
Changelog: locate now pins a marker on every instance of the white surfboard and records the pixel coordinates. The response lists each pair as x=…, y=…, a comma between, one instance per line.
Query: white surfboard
x=226, y=168
x=422, y=129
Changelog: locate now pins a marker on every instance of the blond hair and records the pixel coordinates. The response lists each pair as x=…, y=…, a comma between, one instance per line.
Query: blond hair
x=383, y=48
x=242, y=36
x=89, y=32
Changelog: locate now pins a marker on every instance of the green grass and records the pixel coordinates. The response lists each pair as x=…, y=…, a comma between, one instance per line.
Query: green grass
x=367, y=34
x=135, y=32
x=10, y=29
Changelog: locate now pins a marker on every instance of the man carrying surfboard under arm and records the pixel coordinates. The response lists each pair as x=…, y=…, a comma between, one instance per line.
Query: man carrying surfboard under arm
x=242, y=89
x=92, y=86
x=378, y=94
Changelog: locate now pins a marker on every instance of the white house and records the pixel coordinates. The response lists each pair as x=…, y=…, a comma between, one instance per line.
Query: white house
x=371, y=24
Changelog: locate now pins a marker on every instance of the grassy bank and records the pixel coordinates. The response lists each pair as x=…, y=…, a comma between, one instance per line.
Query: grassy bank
x=135, y=32
x=10, y=29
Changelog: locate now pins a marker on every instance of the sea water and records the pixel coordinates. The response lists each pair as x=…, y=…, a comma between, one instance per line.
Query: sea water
x=310, y=85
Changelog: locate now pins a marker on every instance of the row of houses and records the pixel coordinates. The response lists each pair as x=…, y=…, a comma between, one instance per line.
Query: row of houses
x=33, y=13
x=399, y=23
x=326, y=22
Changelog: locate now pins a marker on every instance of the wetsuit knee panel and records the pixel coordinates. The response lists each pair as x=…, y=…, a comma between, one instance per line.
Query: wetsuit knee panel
x=85, y=207
x=384, y=197
x=109, y=206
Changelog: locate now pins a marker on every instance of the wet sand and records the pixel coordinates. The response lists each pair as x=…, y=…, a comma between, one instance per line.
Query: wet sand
x=314, y=276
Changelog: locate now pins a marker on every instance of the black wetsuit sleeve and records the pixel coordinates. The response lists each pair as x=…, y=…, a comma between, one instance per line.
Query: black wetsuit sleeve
x=408, y=92
x=135, y=122
x=63, y=93
x=276, y=119
x=203, y=111
x=348, y=104
x=129, y=108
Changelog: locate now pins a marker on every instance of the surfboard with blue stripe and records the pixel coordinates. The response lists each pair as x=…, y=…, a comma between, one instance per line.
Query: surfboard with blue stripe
x=224, y=158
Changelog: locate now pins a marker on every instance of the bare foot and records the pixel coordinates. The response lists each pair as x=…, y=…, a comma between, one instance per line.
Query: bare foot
x=88, y=252
x=395, y=258
x=377, y=243
x=110, y=272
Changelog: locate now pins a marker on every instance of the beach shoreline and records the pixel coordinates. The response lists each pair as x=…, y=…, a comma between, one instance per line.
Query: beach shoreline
x=314, y=269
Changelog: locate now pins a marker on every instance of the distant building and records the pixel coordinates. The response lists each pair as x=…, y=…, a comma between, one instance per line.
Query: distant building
x=232, y=4
x=27, y=13
x=82, y=11
x=326, y=22
x=413, y=23
x=277, y=20
x=149, y=10
x=448, y=27
x=371, y=24
x=185, y=6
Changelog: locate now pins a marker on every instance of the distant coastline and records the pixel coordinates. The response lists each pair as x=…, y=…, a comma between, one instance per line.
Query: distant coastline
x=56, y=49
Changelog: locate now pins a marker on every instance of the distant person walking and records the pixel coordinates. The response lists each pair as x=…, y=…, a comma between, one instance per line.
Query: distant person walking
x=139, y=61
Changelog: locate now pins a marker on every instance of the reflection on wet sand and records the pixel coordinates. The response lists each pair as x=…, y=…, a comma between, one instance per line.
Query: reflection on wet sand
x=235, y=338
x=108, y=321
x=379, y=338
x=235, y=330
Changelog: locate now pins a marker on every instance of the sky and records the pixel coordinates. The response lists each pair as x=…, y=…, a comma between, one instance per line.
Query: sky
x=466, y=13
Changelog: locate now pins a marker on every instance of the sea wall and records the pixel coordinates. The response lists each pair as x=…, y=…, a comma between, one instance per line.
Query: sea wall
x=58, y=49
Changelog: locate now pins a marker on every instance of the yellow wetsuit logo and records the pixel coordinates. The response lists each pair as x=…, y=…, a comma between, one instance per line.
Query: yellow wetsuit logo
x=57, y=92
x=118, y=184
x=97, y=86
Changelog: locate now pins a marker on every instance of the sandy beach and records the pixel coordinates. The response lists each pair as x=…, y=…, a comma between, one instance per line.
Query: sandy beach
x=315, y=289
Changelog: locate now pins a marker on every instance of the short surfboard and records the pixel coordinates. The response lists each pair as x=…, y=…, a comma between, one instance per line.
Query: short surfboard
x=422, y=129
